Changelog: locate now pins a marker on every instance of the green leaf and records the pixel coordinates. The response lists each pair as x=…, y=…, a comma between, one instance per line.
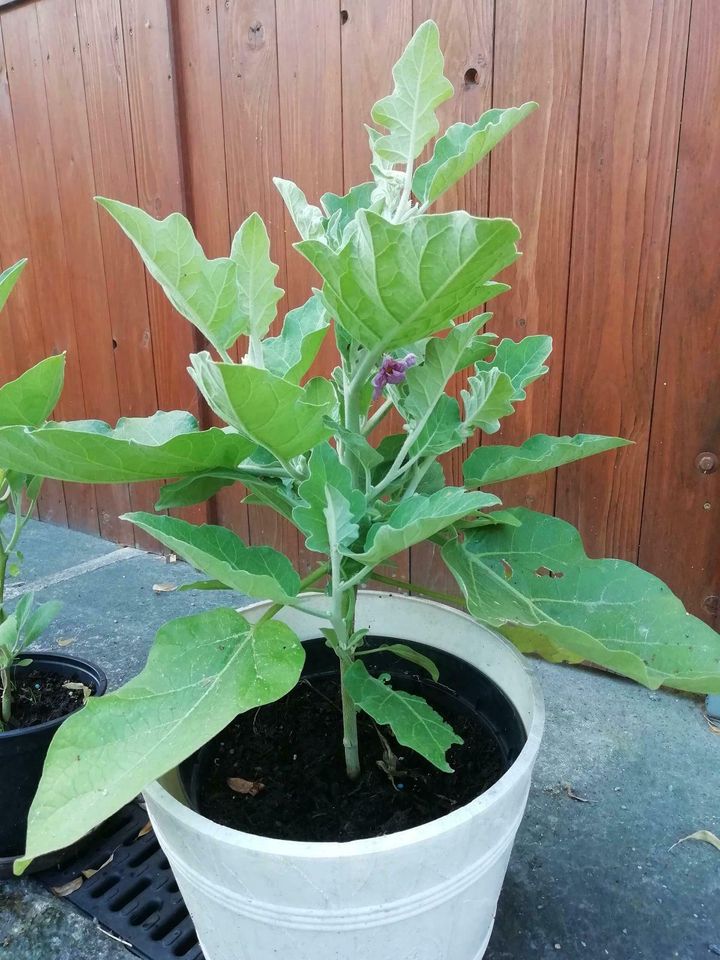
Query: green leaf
x=257, y=294
x=29, y=400
x=204, y=291
x=537, y=585
x=204, y=585
x=407, y=653
x=522, y=361
x=493, y=464
x=408, y=113
x=221, y=554
x=486, y=400
x=8, y=279
x=202, y=672
x=358, y=198
x=328, y=475
x=307, y=218
x=461, y=147
x=291, y=354
x=394, y=283
x=195, y=489
x=418, y=518
x=282, y=417
x=89, y=451
x=425, y=383
x=443, y=430
x=271, y=492
x=413, y=722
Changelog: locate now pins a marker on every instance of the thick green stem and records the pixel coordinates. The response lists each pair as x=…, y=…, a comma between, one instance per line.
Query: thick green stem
x=6, y=708
x=350, y=729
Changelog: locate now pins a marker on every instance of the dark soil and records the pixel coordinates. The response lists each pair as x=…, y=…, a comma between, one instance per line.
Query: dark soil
x=40, y=695
x=294, y=749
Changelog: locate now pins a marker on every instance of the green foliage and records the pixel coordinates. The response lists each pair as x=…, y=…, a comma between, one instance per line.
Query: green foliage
x=397, y=285
x=537, y=585
x=8, y=279
x=202, y=672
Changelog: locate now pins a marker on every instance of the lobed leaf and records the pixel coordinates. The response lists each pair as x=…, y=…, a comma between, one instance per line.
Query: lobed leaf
x=328, y=477
x=307, y=218
x=291, y=354
x=204, y=291
x=413, y=722
x=222, y=555
x=536, y=584
x=461, y=147
x=395, y=283
x=202, y=672
x=408, y=113
x=271, y=412
x=152, y=448
x=521, y=361
x=30, y=399
x=487, y=399
x=257, y=295
x=493, y=464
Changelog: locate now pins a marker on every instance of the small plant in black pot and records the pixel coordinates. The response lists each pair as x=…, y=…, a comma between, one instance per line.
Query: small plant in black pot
x=37, y=690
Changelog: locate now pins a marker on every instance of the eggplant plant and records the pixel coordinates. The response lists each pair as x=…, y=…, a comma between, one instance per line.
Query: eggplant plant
x=400, y=285
x=27, y=401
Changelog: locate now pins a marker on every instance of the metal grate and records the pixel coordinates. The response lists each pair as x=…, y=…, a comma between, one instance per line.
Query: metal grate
x=133, y=895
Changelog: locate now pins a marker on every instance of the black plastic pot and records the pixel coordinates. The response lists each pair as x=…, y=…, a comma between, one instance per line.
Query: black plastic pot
x=22, y=755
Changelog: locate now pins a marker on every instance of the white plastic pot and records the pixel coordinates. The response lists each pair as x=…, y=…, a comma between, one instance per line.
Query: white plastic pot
x=428, y=893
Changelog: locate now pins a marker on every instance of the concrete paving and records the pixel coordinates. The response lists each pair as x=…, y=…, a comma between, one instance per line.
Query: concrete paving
x=623, y=774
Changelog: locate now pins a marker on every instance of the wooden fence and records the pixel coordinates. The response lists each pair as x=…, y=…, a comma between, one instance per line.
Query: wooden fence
x=193, y=105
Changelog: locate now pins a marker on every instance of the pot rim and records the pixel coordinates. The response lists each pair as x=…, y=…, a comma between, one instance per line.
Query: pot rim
x=319, y=850
x=99, y=677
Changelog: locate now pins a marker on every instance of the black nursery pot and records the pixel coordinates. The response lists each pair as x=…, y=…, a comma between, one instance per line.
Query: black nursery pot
x=22, y=755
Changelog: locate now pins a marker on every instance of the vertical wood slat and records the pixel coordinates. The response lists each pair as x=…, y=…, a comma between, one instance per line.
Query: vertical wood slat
x=629, y=123
x=206, y=187
x=681, y=528
x=310, y=98
x=21, y=339
x=65, y=91
x=23, y=53
x=108, y=112
x=149, y=58
x=252, y=155
x=466, y=38
x=538, y=56
x=373, y=35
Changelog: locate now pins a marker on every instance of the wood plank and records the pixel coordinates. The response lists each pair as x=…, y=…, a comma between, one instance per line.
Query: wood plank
x=681, y=517
x=60, y=46
x=202, y=135
x=373, y=36
x=48, y=252
x=253, y=155
x=108, y=112
x=633, y=74
x=22, y=341
x=538, y=56
x=150, y=67
x=466, y=38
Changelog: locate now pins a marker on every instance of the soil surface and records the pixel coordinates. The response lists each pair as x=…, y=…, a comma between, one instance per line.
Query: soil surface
x=286, y=763
x=40, y=696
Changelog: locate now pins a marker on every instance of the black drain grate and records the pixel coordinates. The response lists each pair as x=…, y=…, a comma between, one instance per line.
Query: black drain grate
x=133, y=895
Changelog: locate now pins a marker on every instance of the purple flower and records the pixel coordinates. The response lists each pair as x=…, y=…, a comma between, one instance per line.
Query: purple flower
x=391, y=370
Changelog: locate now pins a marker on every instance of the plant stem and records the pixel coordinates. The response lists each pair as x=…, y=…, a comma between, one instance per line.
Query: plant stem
x=3, y=571
x=307, y=582
x=377, y=417
x=421, y=591
x=6, y=709
x=350, y=728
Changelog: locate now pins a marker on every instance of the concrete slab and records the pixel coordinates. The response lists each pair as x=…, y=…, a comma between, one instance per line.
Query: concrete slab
x=49, y=549
x=587, y=880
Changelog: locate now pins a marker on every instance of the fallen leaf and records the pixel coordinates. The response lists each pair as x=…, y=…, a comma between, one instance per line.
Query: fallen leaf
x=713, y=724
x=65, y=641
x=145, y=830
x=250, y=788
x=66, y=889
x=704, y=835
x=573, y=796
x=164, y=587
x=90, y=872
x=71, y=685
x=172, y=558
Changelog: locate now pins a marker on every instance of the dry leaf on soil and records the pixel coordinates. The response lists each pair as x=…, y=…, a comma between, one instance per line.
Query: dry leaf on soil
x=164, y=587
x=574, y=796
x=145, y=830
x=65, y=641
x=703, y=835
x=250, y=788
x=65, y=889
